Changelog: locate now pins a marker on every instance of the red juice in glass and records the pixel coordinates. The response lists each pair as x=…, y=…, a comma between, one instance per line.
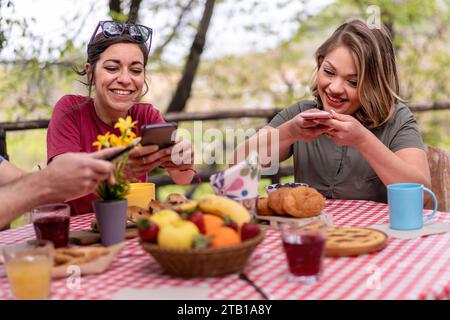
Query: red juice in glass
x=305, y=251
x=305, y=256
x=53, y=228
x=51, y=222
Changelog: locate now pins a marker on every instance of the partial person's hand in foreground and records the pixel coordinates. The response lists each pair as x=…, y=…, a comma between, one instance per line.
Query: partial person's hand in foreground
x=72, y=175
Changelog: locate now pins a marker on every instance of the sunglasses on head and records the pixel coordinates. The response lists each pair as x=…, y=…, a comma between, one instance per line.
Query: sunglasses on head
x=111, y=29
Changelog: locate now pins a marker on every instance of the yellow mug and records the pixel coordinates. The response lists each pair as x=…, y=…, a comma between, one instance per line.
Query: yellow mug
x=141, y=194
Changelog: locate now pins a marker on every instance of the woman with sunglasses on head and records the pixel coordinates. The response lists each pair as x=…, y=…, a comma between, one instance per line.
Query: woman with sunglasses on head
x=117, y=56
x=369, y=139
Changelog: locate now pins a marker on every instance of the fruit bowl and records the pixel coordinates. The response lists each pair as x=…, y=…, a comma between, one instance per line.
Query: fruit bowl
x=209, y=262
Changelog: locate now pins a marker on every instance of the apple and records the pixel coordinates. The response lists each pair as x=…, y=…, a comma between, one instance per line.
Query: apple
x=178, y=235
x=249, y=230
x=164, y=217
x=148, y=230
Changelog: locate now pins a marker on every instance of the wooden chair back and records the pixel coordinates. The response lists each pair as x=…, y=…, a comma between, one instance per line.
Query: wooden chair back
x=439, y=161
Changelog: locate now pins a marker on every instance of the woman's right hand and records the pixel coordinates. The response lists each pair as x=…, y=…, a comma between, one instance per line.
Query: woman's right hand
x=303, y=129
x=144, y=159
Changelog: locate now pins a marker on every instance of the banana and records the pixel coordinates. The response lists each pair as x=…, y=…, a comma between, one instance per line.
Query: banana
x=224, y=207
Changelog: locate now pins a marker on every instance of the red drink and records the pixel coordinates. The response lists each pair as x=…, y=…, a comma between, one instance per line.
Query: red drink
x=53, y=228
x=304, y=253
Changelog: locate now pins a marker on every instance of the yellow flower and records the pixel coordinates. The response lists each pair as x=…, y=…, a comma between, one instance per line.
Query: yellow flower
x=125, y=125
x=126, y=138
x=116, y=141
x=102, y=141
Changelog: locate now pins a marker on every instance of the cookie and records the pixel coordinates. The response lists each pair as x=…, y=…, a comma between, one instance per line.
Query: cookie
x=154, y=206
x=72, y=256
x=176, y=198
x=352, y=241
x=134, y=213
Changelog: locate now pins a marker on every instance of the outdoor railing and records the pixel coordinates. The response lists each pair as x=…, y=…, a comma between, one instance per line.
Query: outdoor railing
x=267, y=114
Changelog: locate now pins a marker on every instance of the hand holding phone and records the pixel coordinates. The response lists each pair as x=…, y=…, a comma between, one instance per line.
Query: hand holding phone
x=315, y=114
x=162, y=135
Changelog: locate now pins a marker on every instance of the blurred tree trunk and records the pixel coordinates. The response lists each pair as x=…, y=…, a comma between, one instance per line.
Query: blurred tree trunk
x=134, y=11
x=116, y=11
x=115, y=6
x=183, y=91
x=175, y=30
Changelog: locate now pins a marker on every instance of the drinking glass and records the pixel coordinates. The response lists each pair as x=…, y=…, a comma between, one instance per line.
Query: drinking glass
x=51, y=222
x=28, y=267
x=304, y=245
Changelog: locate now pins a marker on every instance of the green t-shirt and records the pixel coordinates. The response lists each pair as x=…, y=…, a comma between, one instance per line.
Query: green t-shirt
x=342, y=172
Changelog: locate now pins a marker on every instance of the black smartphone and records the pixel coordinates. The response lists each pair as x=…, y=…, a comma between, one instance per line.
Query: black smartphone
x=162, y=135
x=121, y=152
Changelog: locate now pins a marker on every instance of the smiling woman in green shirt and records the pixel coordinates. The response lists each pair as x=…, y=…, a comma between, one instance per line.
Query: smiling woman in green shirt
x=371, y=139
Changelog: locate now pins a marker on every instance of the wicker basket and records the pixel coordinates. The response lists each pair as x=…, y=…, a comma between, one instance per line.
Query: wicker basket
x=208, y=262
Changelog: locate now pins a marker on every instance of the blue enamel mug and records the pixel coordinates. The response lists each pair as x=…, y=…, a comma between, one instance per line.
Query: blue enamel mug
x=405, y=202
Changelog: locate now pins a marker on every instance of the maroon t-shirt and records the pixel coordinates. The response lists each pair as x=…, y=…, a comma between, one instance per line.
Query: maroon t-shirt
x=74, y=126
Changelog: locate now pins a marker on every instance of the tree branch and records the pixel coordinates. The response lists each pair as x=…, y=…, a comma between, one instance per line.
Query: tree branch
x=184, y=10
x=184, y=87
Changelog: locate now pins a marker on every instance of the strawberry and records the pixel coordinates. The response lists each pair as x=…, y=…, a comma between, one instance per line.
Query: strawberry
x=249, y=230
x=197, y=218
x=148, y=230
x=230, y=223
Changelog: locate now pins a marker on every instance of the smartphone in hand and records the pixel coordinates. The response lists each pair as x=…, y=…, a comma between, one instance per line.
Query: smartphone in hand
x=315, y=115
x=162, y=135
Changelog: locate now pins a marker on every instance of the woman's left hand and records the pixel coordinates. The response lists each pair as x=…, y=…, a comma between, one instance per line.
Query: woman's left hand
x=181, y=164
x=182, y=157
x=344, y=129
x=146, y=158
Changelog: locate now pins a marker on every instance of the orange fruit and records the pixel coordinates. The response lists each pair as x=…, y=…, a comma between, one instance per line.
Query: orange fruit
x=225, y=236
x=212, y=222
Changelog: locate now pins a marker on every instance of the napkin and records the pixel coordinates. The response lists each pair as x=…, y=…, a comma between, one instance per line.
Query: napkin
x=429, y=228
x=240, y=181
x=164, y=293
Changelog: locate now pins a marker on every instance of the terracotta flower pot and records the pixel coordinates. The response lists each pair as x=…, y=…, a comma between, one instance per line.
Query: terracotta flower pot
x=112, y=219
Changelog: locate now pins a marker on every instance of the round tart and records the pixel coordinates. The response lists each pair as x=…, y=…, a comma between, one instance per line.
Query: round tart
x=352, y=241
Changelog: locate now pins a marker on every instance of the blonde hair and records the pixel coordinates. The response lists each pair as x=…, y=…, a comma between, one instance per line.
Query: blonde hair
x=377, y=83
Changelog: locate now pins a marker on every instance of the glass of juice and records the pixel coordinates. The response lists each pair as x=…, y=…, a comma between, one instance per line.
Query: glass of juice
x=304, y=246
x=51, y=222
x=29, y=267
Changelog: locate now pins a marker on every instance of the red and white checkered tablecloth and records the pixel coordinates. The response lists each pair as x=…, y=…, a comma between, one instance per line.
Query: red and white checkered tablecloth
x=405, y=269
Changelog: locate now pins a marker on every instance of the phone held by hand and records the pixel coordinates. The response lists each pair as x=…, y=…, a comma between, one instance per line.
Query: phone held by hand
x=315, y=115
x=162, y=134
